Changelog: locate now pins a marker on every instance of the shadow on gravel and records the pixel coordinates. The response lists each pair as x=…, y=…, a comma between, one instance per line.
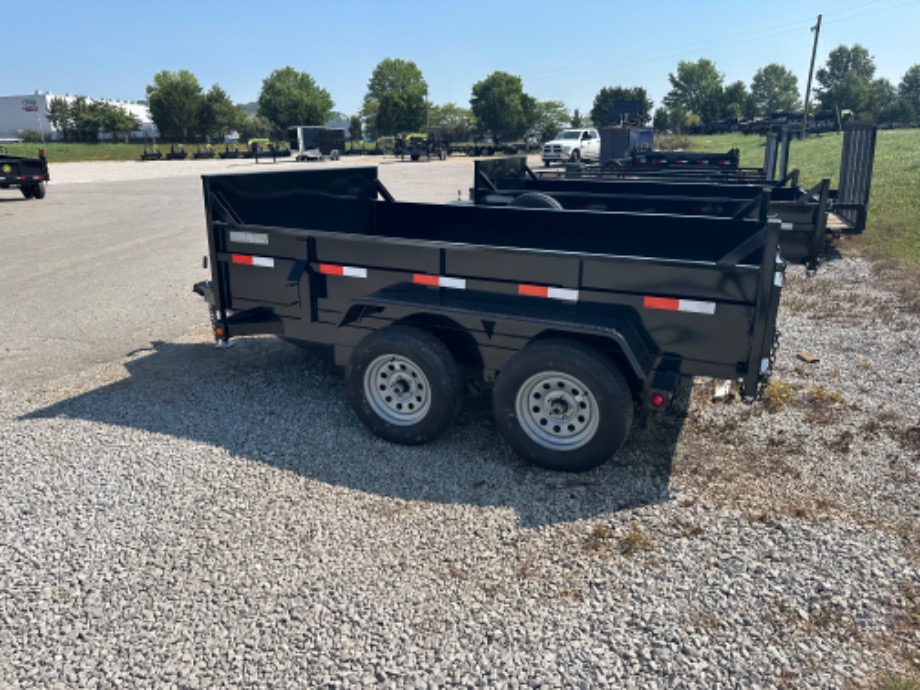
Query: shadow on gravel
x=266, y=400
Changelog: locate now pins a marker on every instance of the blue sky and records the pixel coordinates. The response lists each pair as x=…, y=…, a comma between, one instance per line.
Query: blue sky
x=561, y=51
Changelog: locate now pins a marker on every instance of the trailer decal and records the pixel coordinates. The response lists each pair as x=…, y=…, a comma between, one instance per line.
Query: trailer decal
x=248, y=237
x=439, y=281
x=247, y=260
x=687, y=305
x=546, y=291
x=347, y=271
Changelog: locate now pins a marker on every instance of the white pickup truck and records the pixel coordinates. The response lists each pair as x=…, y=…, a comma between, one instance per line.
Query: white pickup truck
x=573, y=145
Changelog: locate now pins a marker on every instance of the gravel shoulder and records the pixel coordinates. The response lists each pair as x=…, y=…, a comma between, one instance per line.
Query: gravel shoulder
x=191, y=517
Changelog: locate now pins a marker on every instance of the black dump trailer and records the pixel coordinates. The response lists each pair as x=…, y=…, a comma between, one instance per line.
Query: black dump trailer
x=802, y=213
x=30, y=175
x=577, y=318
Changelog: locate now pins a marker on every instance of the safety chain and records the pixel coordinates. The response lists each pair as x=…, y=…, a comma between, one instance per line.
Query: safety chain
x=764, y=379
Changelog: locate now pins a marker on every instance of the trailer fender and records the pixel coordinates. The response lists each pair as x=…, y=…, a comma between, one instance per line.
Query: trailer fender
x=618, y=338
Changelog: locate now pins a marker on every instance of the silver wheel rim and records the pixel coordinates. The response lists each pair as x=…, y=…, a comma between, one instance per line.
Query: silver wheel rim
x=557, y=411
x=397, y=390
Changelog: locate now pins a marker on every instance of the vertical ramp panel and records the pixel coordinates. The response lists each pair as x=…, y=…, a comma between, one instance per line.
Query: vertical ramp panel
x=769, y=155
x=856, y=163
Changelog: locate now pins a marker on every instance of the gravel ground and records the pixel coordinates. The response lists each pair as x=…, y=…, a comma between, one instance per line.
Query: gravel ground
x=193, y=518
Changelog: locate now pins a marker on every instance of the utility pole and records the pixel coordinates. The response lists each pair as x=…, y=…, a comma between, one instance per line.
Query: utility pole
x=814, y=49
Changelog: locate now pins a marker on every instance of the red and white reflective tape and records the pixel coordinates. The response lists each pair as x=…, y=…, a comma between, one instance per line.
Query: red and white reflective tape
x=687, y=305
x=247, y=260
x=439, y=281
x=563, y=294
x=347, y=271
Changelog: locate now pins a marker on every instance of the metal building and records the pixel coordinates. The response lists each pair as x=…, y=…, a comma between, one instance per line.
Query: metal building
x=19, y=113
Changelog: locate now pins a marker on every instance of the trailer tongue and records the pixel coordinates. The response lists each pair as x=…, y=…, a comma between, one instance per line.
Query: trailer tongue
x=575, y=317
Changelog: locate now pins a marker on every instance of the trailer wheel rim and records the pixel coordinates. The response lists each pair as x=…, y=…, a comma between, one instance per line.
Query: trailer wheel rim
x=557, y=411
x=397, y=390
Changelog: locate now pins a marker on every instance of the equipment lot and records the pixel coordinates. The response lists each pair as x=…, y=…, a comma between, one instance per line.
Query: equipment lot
x=174, y=515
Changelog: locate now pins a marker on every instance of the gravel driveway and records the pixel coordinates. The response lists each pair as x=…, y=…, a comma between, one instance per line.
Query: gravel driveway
x=187, y=517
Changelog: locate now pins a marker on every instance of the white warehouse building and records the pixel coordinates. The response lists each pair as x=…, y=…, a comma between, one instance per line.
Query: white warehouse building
x=19, y=113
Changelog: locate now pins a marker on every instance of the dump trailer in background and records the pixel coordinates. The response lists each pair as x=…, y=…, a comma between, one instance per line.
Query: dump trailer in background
x=803, y=213
x=29, y=175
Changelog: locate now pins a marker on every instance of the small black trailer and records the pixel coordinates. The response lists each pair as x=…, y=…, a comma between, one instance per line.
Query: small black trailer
x=576, y=318
x=151, y=153
x=230, y=151
x=177, y=152
x=803, y=213
x=204, y=153
x=30, y=175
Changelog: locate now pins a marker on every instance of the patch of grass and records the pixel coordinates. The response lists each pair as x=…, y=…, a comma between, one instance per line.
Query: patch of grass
x=688, y=529
x=842, y=442
x=635, y=541
x=600, y=538
x=672, y=142
x=821, y=396
x=777, y=395
x=909, y=439
x=890, y=681
x=604, y=539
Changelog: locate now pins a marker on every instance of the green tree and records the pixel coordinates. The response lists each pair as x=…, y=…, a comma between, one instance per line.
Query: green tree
x=901, y=111
x=882, y=95
x=59, y=117
x=608, y=94
x=577, y=120
x=845, y=81
x=396, y=98
x=254, y=126
x=454, y=121
x=774, y=89
x=696, y=89
x=290, y=98
x=909, y=87
x=174, y=99
x=501, y=106
x=736, y=101
x=102, y=117
x=84, y=121
x=355, y=128
x=661, y=120
x=217, y=115
x=549, y=118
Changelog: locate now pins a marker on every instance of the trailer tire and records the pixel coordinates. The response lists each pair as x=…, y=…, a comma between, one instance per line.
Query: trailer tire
x=404, y=385
x=27, y=191
x=562, y=405
x=535, y=200
x=38, y=190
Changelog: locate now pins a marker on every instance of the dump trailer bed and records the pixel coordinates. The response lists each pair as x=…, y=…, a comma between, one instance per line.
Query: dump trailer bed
x=30, y=175
x=801, y=212
x=701, y=173
x=522, y=297
x=680, y=159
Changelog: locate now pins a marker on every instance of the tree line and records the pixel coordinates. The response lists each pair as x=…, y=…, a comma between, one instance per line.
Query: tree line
x=396, y=101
